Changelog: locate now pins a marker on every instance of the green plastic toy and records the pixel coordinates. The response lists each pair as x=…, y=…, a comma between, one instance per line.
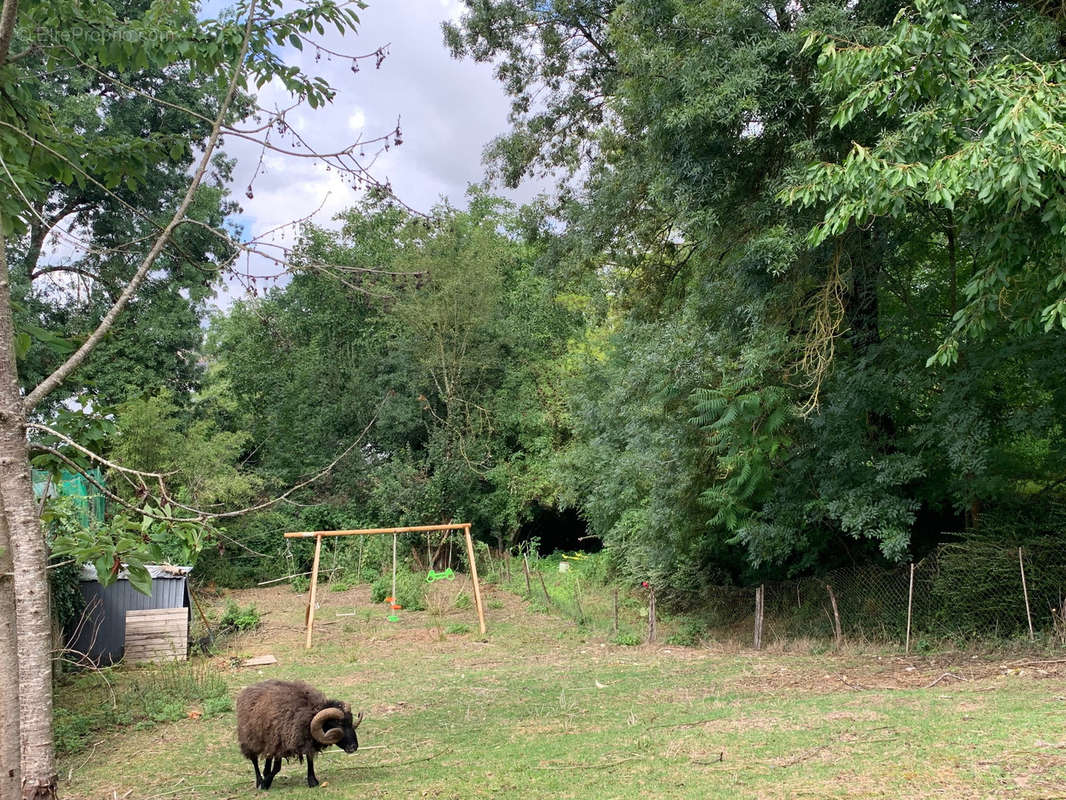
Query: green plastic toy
x=440, y=576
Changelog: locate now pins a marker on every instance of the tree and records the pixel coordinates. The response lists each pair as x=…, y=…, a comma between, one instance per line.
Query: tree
x=44, y=146
x=441, y=339
x=807, y=423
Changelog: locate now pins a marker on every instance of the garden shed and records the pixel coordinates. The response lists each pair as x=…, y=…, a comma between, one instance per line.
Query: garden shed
x=100, y=634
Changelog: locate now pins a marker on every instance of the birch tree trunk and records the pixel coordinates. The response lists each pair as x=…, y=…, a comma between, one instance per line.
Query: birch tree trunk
x=9, y=668
x=29, y=557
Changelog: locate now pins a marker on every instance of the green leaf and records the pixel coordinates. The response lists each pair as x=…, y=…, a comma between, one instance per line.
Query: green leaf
x=140, y=579
x=22, y=344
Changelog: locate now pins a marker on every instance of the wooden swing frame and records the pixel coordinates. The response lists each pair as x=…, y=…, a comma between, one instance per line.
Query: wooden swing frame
x=318, y=536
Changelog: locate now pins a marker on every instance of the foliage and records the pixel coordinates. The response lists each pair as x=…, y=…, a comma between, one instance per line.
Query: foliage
x=128, y=542
x=410, y=589
x=236, y=619
x=142, y=698
x=977, y=141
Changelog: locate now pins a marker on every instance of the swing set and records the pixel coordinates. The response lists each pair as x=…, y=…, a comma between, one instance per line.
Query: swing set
x=318, y=536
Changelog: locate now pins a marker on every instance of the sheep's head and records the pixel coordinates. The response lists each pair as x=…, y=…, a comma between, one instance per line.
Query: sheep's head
x=334, y=725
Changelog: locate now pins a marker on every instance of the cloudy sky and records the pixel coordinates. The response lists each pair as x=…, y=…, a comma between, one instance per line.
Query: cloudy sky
x=448, y=110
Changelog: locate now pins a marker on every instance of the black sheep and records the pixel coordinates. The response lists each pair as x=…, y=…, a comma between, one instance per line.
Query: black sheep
x=290, y=719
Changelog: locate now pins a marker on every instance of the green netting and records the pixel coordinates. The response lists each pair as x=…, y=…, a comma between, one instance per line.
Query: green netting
x=87, y=498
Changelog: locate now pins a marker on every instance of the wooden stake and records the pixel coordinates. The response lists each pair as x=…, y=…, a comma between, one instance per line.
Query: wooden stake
x=651, y=614
x=577, y=600
x=313, y=592
x=615, y=629
x=1025, y=591
x=547, y=597
x=759, y=600
x=200, y=611
x=473, y=575
x=837, y=635
x=525, y=568
x=910, y=606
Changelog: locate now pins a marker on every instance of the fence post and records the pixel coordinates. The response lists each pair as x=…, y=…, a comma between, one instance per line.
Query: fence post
x=525, y=567
x=577, y=600
x=1025, y=592
x=651, y=614
x=837, y=634
x=759, y=608
x=910, y=606
x=547, y=597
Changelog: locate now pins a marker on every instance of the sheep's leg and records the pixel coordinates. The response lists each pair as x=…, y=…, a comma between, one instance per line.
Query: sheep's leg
x=311, y=779
x=258, y=775
x=270, y=769
x=276, y=769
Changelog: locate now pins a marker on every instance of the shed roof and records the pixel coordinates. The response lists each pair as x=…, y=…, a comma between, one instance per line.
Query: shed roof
x=163, y=571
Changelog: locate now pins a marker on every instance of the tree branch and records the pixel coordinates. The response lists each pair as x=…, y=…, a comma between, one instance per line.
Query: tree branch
x=53, y=381
x=7, y=27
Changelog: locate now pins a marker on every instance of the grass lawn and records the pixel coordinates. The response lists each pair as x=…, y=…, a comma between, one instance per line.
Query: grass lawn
x=542, y=708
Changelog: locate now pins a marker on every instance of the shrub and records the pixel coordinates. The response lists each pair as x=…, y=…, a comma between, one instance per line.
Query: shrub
x=220, y=704
x=628, y=639
x=410, y=589
x=235, y=618
x=690, y=634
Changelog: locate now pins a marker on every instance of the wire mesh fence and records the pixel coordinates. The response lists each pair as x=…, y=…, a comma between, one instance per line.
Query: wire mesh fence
x=973, y=589
x=958, y=592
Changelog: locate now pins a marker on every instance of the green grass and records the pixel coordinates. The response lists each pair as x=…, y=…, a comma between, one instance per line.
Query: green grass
x=543, y=707
x=92, y=707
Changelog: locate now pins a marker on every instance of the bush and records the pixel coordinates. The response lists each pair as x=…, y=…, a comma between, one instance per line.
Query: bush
x=235, y=618
x=690, y=634
x=410, y=588
x=627, y=639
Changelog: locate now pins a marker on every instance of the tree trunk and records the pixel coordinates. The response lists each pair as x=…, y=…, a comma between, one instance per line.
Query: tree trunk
x=9, y=668
x=29, y=558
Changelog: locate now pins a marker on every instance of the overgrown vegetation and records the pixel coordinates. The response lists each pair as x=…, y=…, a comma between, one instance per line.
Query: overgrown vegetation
x=101, y=703
x=548, y=708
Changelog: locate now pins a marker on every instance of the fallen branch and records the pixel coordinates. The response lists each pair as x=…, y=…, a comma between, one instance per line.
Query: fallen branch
x=804, y=757
x=70, y=772
x=278, y=580
x=945, y=675
x=719, y=760
x=606, y=765
x=1036, y=663
x=693, y=724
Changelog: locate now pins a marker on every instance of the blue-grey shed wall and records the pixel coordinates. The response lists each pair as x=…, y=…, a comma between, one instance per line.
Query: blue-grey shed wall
x=106, y=614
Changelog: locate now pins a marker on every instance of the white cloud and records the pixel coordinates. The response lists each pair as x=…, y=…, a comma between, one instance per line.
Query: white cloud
x=357, y=120
x=448, y=110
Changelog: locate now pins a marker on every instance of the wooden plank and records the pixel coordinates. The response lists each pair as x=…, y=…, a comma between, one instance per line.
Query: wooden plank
x=473, y=576
x=372, y=531
x=157, y=613
x=158, y=634
x=161, y=625
x=314, y=589
x=259, y=661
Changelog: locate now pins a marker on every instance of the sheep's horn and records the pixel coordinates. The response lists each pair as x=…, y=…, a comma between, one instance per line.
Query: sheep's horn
x=358, y=720
x=347, y=708
x=320, y=719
